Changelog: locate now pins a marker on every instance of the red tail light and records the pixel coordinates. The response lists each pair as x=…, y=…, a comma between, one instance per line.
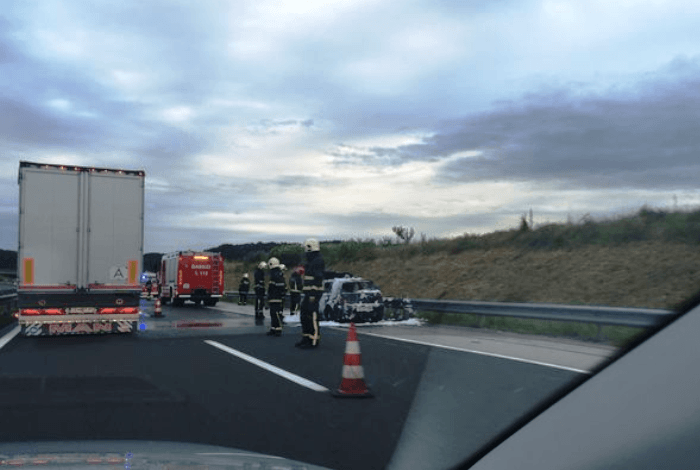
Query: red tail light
x=117, y=310
x=30, y=311
x=53, y=311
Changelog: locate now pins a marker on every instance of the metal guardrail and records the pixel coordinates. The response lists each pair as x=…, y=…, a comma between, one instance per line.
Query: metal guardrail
x=637, y=317
x=8, y=298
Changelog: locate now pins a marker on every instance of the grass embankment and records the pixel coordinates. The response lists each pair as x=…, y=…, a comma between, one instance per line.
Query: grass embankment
x=650, y=259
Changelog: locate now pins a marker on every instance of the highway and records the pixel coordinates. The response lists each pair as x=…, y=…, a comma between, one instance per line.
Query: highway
x=210, y=375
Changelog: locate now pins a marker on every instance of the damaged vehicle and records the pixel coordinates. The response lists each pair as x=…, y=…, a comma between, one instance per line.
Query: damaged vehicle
x=351, y=299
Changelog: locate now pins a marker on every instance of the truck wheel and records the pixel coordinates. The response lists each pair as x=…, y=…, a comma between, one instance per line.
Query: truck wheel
x=210, y=303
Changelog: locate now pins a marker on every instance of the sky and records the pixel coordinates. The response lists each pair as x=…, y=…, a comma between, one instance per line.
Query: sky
x=277, y=121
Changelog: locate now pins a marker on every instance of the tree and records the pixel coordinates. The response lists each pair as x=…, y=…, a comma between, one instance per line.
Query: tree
x=404, y=234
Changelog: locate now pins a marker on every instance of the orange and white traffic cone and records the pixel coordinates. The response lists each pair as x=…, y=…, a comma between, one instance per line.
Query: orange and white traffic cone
x=158, y=309
x=353, y=381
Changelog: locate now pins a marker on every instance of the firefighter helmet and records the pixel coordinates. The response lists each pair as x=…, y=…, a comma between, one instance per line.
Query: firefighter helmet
x=262, y=265
x=245, y=275
x=273, y=263
x=312, y=245
x=283, y=267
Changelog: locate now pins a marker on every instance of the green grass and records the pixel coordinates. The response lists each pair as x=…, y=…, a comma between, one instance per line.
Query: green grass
x=645, y=225
x=618, y=336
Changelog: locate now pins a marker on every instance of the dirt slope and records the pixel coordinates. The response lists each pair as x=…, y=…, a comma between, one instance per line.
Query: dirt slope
x=642, y=274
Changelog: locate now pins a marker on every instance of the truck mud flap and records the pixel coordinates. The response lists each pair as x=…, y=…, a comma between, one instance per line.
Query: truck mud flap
x=78, y=328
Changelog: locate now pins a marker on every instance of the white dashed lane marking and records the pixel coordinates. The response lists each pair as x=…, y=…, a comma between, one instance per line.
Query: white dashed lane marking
x=269, y=367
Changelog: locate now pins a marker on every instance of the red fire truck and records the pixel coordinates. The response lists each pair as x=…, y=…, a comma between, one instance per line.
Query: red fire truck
x=194, y=276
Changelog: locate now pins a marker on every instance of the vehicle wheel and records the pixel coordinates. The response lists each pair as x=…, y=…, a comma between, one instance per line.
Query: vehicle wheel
x=328, y=313
x=178, y=302
x=210, y=303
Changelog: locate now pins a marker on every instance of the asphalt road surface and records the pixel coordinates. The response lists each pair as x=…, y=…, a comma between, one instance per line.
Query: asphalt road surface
x=209, y=375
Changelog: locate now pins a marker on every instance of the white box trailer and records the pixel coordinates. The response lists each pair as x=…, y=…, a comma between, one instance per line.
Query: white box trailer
x=80, y=249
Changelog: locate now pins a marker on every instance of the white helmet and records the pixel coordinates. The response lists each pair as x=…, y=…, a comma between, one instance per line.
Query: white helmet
x=273, y=263
x=262, y=265
x=245, y=275
x=283, y=267
x=312, y=244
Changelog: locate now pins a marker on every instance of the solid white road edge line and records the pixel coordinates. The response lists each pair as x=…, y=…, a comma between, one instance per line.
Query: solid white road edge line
x=8, y=337
x=519, y=359
x=269, y=367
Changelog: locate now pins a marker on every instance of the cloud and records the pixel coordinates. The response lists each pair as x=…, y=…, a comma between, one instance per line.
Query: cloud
x=645, y=137
x=447, y=115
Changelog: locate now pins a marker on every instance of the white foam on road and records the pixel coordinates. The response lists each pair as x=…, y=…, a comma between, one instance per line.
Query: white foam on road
x=269, y=367
x=409, y=322
x=9, y=336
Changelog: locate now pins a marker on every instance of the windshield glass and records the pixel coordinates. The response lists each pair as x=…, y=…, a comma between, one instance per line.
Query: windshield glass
x=514, y=182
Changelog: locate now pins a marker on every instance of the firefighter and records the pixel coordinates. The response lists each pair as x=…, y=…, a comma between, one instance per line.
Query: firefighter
x=259, y=277
x=284, y=270
x=149, y=286
x=295, y=285
x=243, y=289
x=313, y=288
x=275, y=297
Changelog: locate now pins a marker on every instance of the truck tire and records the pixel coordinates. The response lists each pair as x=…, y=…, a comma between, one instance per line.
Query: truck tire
x=210, y=303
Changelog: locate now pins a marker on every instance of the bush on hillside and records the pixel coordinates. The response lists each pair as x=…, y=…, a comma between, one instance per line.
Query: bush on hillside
x=289, y=254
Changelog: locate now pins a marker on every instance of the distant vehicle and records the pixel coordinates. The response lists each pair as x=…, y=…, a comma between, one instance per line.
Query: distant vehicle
x=80, y=249
x=353, y=299
x=194, y=276
x=149, y=284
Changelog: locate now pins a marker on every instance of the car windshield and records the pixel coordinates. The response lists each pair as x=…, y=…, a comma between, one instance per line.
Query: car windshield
x=198, y=198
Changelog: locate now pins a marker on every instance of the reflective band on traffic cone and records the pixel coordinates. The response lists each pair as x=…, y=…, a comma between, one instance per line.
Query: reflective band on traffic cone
x=353, y=381
x=157, y=309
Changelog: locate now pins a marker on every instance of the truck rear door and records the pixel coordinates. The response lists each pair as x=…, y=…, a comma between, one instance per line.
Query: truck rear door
x=49, y=228
x=115, y=240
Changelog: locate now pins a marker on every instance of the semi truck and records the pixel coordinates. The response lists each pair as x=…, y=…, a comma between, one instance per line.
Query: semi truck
x=191, y=275
x=80, y=249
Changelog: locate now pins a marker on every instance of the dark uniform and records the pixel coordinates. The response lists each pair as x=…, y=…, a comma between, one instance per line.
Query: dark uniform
x=295, y=286
x=259, y=276
x=313, y=288
x=275, y=297
x=243, y=289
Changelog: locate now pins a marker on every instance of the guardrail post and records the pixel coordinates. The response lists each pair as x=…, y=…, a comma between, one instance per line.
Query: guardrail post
x=599, y=335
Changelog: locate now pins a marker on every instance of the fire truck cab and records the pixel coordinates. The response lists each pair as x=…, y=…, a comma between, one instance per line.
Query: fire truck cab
x=190, y=275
